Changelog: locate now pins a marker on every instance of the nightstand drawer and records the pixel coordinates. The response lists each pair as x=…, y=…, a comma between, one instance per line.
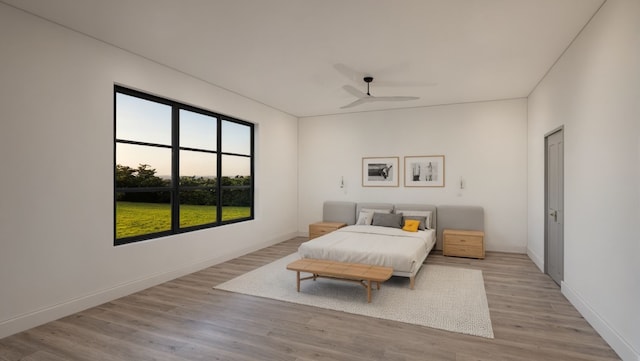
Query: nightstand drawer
x=464, y=240
x=321, y=228
x=461, y=243
x=463, y=251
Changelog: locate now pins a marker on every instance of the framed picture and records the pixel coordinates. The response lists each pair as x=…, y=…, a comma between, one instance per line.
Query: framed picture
x=380, y=172
x=424, y=171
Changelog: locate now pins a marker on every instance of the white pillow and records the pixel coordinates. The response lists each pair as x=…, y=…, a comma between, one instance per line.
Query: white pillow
x=365, y=218
x=426, y=214
x=366, y=215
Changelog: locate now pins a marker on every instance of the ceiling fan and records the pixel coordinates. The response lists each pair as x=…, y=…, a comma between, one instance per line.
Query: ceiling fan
x=368, y=98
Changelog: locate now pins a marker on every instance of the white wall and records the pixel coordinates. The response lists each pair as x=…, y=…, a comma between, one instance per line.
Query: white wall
x=594, y=91
x=484, y=143
x=56, y=151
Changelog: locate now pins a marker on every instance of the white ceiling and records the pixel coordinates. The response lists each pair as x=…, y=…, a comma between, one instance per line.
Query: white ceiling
x=296, y=55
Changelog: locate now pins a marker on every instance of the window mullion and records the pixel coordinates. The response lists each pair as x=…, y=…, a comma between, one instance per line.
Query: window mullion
x=175, y=169
x=252, y=172
x=219, y=171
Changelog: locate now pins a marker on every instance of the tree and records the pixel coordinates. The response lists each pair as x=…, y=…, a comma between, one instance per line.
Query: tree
x=142, y=177
x=125, y=176
x=200, y=196
x=194, y=190
x=236, y=191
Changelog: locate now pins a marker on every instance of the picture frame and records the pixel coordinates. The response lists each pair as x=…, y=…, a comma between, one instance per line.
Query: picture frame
x=424, y=171
x=380, y=171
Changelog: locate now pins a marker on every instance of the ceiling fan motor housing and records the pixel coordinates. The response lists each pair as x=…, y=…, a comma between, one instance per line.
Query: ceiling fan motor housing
x=368, y=80
x=367, y=97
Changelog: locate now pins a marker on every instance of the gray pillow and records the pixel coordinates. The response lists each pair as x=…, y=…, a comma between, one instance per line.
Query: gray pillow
x=422, y=220
x=387, y=220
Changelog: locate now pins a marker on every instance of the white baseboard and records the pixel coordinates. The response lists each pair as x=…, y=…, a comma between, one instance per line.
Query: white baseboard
x=618, y=343
x=539, y=261
x=32, y=319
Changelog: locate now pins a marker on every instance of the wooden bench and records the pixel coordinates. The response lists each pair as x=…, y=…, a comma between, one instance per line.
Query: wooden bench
x=355, y=272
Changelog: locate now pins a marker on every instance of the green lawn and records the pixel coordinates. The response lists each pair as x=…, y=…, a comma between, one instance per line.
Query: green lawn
x=133, y=219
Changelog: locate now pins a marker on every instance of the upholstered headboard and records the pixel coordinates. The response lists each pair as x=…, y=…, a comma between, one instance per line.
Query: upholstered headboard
x=334, y=211
x=469, y=218
x=384, y=207
x=347, y=212
x=443, y=217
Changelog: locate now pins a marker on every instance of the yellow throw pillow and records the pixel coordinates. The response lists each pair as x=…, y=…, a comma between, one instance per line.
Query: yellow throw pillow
x=411, y=225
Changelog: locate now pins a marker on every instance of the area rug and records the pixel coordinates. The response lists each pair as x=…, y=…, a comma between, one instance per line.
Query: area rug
x=446, y=298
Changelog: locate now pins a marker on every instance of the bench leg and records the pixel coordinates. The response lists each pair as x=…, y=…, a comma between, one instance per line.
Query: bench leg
x=298, y=280
x=368, y=291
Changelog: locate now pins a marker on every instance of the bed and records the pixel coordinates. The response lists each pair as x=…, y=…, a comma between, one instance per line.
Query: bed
x=378, y=240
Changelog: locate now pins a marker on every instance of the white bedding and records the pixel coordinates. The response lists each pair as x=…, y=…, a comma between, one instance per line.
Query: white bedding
x=381, y=246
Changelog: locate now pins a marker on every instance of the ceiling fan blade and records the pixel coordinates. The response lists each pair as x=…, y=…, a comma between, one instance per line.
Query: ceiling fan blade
x=405, y=84
x=396, y=98
x=355, y=92
x=365, y=97
x=357, y=102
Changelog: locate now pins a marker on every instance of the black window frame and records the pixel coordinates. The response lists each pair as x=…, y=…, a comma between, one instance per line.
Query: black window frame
x=174, y=188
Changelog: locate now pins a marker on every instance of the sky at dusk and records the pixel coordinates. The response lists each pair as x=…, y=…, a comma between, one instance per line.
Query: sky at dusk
x=141, y=120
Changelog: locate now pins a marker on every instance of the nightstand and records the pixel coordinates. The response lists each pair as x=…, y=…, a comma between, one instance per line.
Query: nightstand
x=463, y=243
x=321, y=228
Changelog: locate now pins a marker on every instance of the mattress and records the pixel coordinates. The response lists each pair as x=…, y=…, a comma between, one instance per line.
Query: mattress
x=381, y=246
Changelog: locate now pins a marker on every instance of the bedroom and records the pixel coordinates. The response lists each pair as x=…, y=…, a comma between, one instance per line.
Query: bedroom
x=52, y=233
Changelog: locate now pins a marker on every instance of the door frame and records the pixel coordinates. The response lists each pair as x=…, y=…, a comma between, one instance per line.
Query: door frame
x=546, y=197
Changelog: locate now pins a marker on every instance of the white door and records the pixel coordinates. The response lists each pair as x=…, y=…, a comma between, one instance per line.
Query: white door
x=554, y=193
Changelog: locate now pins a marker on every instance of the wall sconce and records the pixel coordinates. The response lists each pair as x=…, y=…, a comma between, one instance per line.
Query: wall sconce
x=341, y=181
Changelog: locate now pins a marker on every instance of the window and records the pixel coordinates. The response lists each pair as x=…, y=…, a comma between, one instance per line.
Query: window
x=177, y=168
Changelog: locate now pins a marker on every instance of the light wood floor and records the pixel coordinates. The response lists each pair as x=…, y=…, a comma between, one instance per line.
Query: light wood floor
x=186, y=319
